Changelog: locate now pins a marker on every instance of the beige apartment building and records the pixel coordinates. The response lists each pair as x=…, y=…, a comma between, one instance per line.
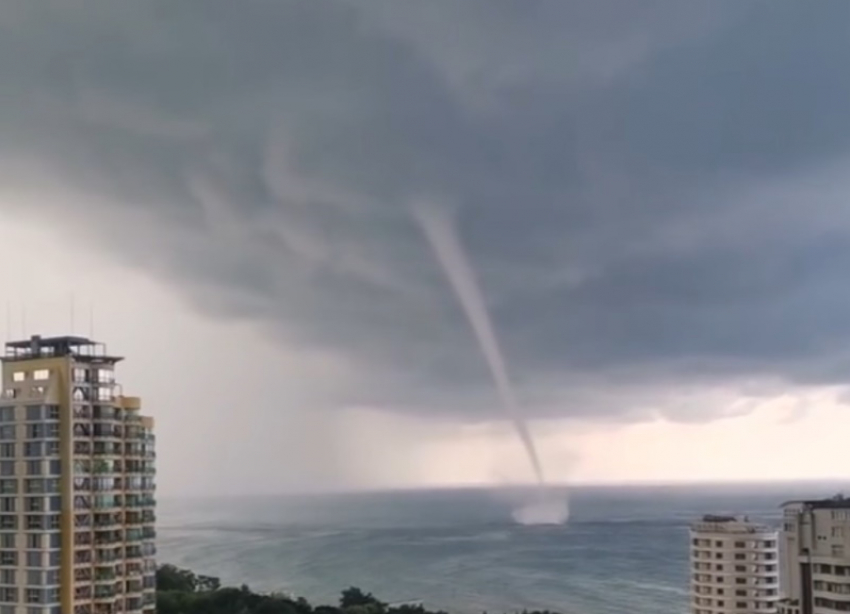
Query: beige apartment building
x=734, y=567
x=815, y=548
x=77, y=508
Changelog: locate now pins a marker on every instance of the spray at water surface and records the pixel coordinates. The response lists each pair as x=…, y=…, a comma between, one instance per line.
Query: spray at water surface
x=440, y=232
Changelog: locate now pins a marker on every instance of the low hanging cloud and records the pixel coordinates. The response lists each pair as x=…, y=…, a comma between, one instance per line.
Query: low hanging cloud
x=654, y=193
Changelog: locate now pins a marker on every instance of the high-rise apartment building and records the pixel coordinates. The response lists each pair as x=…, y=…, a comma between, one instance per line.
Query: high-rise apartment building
x=734, y=567
x=77, y=510
x=815, y=556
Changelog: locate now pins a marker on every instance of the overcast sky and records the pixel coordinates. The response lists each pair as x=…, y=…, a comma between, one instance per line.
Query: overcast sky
x=654, y=196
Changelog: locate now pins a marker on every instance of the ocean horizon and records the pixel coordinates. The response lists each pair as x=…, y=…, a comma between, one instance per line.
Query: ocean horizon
x=624, y=548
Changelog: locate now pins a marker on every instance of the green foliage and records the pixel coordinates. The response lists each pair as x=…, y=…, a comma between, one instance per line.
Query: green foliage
x=179, y=591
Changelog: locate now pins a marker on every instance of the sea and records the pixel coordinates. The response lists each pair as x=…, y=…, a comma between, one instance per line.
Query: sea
x=623, y=549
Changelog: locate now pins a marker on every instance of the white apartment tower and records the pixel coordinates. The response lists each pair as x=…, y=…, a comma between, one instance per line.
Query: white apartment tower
x=815, y=557
x=734, y=567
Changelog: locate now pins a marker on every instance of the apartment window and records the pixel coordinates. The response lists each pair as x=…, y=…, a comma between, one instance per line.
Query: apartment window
x=740, y=556
x=35, y=578
x=33, y=486
x=7, y=504
x=8, y=486
x=740, y=580
x=33, y=449
x=34, y=595
x=104, y=394
x=9, y=558
x=741, y=568
x=55, y=504
x=7, y=450
x=53, y=522
x=7, y=414
x=36, y=431
x=34, y=559
x=55, y=540
x=8, y=576
x=33, y=412
x=740, y=593
x=19, y=376
x=34, y=504
x=51, y=430
x=9, y=609
x=80, y=394
x=52, y=577
x=54, y=559
x=7, y=432
x=51, y=448
x=35, y=467
x=41, y=374
x=8, y=540
x=34, y=523
x=8, y=522
x=740, y=544
x=11, y=393
x=741, y=605
x=51, y=485
x=55, y=467
x=79, y=374
x=8, y=595
x=7, y=467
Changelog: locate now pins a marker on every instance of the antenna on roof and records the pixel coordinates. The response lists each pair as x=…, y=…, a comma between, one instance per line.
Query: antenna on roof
x=73, y=312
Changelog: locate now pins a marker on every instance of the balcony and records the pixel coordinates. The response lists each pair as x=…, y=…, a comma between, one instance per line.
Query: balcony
x=108, y=540
x=106, y=556
x=134, y=569
x=133, y=535
x=106, y=521
x=103, y=593
x=104, y=575
x=133, y=552
x=83, y=557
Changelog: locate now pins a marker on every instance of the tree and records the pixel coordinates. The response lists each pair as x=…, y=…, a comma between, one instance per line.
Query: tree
x=172, y=578
x=207, y=583
x=353, y=597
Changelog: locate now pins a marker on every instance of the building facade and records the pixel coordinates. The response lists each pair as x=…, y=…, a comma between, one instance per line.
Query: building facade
x=815, y=555
x=77, y=508
x=734, y=567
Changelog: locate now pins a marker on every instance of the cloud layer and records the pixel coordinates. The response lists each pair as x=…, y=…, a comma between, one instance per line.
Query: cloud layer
x=653, y=193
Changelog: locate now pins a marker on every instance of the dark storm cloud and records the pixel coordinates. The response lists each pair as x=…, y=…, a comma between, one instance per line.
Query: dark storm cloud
x=631, y=179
